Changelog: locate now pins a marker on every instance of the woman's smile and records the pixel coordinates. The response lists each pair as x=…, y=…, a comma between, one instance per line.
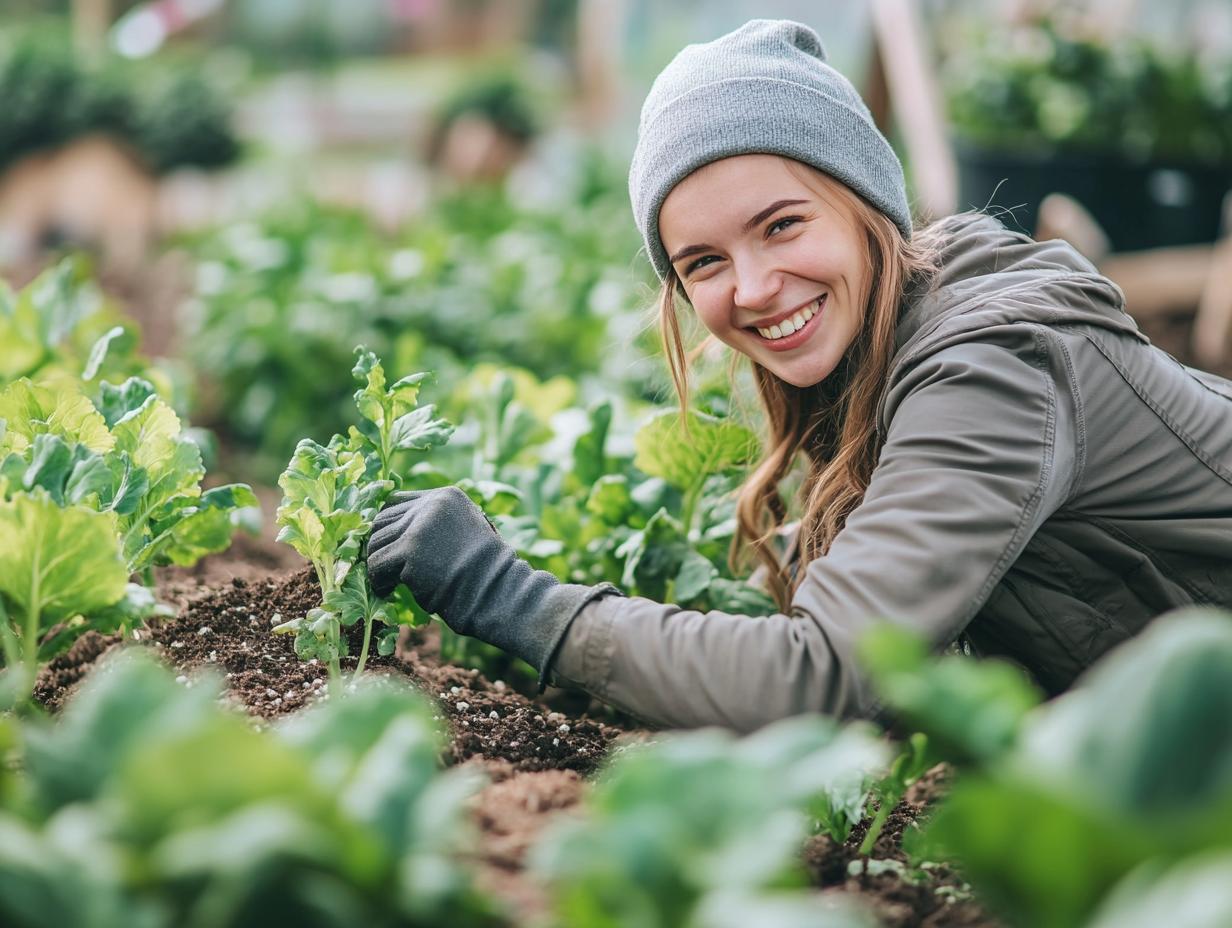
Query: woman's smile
x=792, y=330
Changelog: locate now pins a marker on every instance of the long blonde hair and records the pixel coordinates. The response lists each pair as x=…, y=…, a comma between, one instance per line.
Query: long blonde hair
x=833, y=424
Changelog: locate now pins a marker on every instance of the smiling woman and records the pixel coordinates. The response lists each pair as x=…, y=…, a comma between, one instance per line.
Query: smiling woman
x=989, y=447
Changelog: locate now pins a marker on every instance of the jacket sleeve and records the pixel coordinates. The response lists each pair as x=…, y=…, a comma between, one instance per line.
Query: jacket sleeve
x=980, y=447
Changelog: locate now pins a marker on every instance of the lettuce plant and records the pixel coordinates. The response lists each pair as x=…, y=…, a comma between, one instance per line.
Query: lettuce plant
x=331, y=495
x=126, y=453
x=90, y=493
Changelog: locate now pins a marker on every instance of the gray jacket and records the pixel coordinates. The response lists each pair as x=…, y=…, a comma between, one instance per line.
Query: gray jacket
x=1049, y=483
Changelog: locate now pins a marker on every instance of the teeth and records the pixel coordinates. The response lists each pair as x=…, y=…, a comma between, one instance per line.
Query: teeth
x=794, y=324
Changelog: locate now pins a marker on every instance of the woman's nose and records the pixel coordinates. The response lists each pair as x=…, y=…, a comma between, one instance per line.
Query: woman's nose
x=757, y=284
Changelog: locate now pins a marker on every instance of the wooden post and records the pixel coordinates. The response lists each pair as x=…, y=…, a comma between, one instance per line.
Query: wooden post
x=916, y=103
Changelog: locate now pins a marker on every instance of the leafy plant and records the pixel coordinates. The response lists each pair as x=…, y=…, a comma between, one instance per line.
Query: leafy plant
x=59, y=327
x=971, y=710
x=147, y=803
x=686, y=826
x=1041, y=87
x=55, y=563
x=477, y=278
x=127, y=455
x=332, y=494
x=1132, y=765
x=170, y=117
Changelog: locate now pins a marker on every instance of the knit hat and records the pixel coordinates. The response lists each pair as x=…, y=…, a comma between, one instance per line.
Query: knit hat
x=765, y=88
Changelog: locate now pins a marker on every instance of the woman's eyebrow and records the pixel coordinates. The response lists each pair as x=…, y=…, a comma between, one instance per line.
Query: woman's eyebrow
x=763, y=214
x=769, y=211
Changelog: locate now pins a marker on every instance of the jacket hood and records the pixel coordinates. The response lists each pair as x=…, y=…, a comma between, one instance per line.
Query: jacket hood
x=990, y=276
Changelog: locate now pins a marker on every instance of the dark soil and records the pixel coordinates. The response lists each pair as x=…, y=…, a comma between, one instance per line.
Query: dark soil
x=536, y=751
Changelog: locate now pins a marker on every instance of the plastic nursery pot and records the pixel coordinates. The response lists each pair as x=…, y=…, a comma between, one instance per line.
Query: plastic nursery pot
x=1139, y=205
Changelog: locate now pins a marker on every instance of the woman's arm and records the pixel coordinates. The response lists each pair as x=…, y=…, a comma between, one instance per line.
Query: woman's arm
x=982, y=445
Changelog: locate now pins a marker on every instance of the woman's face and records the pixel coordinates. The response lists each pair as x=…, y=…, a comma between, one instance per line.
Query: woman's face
x=772, y=268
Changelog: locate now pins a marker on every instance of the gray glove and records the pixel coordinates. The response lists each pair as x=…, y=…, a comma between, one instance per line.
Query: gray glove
x=441, y=545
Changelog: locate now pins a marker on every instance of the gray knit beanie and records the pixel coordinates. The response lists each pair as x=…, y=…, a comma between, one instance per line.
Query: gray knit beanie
x=765, y=88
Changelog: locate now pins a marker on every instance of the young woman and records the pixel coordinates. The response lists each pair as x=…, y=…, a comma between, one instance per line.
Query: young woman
x=991, y=447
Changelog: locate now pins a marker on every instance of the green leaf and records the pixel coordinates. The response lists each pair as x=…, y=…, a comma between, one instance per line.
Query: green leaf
x=30, y=410
x=589, y=460
x=1033, y=855
x=419, y=430
x=654, y=555
x=971, y=710
x=738, y=597
x=1148, y=730
x=610, y=499
x=712, y=446
x=127, y=699
x=1196, y=893
x=353, y=601
x=148, y=433
x=99, y=352
x=694, y=577
x=51, y=460
x=114, y=403
x=492, y=496
x=57, y=562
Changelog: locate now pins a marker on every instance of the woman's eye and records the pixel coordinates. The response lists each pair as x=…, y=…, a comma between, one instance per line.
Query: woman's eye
x=700, y=263
x=779, y=224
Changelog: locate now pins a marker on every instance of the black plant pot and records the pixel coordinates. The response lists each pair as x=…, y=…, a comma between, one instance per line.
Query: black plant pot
x=1139, y=205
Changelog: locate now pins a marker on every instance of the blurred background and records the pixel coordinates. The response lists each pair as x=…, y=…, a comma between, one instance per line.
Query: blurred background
x=260, y=185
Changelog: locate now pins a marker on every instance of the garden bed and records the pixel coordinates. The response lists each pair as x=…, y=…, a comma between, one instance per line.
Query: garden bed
x=537, y=752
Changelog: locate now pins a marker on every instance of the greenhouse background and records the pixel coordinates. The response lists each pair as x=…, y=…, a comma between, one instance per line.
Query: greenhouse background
x=233, y=236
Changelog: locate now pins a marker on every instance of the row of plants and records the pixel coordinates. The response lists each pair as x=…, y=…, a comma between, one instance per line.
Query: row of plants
x=1106, y=806
x=476, y=278
x=149, y=802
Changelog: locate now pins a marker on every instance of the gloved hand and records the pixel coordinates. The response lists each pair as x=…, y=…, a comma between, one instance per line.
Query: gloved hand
x=444, y=549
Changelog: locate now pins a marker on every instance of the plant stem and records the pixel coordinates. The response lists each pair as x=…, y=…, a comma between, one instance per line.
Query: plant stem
x=690, y=505
x=363, y=652
x=888, y=802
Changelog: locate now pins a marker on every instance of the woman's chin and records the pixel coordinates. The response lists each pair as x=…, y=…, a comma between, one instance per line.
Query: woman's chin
x=802, y=375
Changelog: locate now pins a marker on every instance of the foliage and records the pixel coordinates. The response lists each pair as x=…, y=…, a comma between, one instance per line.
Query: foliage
x=332, y=494
x=590, y=515
x=60, y=327
x=1038, y=87
x=135, y=462
x=1132, y=765
x=475, y=278
x=55, y=563
x=677, y=830
x=971, y=710
x=149, y=804
x=170, y=119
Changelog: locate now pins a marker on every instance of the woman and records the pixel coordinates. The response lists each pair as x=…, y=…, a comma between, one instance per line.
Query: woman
x=992, y=449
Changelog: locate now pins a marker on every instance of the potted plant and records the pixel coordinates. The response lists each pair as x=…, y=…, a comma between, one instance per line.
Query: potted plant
x=1140, y=135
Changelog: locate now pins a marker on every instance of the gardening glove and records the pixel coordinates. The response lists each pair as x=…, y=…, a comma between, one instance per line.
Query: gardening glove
x=442, y=546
